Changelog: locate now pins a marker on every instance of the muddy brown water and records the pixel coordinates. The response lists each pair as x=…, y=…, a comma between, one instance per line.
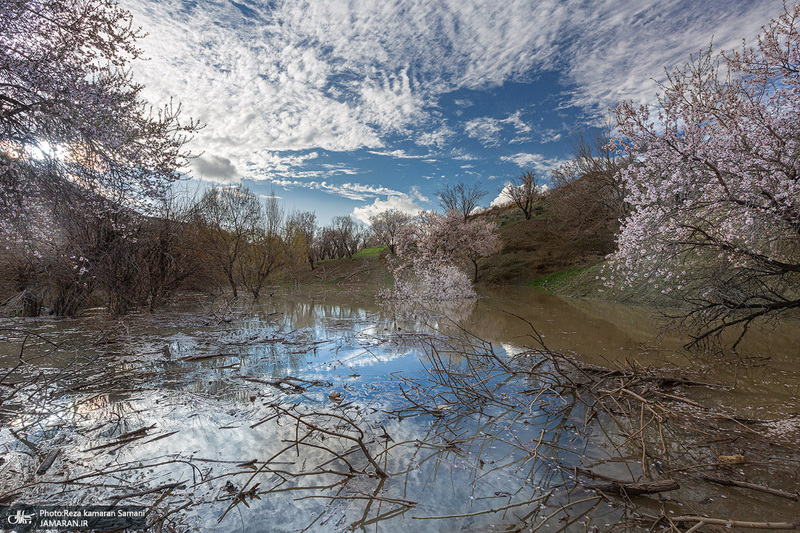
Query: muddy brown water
x=200, y=384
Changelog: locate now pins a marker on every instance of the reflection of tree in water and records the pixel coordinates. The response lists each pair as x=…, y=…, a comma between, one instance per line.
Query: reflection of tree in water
x=472, y=439
x=433, y=313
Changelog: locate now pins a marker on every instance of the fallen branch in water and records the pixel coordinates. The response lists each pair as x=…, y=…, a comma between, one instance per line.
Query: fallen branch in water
x=623, y=488
x=290, y=383
x=626, y=488
x=752, y=486
x=48, y=462
x=702, y=520
x=191, y=358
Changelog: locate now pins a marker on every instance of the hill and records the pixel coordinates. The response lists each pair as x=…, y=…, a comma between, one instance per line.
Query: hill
x=544, y=245
x=366, y=267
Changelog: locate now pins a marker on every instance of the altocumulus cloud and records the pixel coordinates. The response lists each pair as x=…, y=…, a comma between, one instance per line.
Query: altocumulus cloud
x=335, y=75
x=271, y=79
x=538, y=162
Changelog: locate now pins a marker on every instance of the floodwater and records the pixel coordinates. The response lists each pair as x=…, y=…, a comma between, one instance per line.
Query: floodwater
x=330, y=412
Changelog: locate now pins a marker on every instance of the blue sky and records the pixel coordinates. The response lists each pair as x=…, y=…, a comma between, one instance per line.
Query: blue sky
x=355, y=106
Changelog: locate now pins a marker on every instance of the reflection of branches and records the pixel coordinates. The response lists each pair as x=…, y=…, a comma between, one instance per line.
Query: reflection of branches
x=338, y=427
x=480, y=401
x=478, y=439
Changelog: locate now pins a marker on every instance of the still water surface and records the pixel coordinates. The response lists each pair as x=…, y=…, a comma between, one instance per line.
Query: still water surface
x=208, y=406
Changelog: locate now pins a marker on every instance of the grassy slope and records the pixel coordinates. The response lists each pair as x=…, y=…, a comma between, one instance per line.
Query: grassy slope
x=367, y=267
x=532, y=249
x=532, y=252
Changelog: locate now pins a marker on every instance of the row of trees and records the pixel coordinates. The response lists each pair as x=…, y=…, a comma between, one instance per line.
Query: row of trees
x=228, y=238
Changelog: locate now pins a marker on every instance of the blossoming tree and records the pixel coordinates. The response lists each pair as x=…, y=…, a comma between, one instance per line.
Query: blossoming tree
x=69, y=105
x=715, y=186
x=82, y=155
x=432, y=250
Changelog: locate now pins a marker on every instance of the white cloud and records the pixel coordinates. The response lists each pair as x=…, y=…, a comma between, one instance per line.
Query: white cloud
x=406, y=203
x=438, y=138
x=538, y=162
x=463, y=156
x=399, y=203
x=333, y=169
x=352, y=191
x=341, y=75
x=485, y=129
x=619, y=50
x=505, y=197
x=488, y=129
x=549, y=136
x=335, y=75
x=399, y=154
x=390, y=104
x=515, y=120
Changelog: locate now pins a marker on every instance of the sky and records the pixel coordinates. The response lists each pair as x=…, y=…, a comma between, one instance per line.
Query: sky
x=351, y=107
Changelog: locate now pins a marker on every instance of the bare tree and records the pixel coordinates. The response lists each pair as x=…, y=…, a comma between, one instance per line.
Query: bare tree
x=346, y=238
x=264, y=250
x=226, y=218
x=588, y=202
x=595, y=159
x=460, y=197
x=524, y=192
x=324, y=245
x=300, y=233
x=387, y=225
x=165, y=250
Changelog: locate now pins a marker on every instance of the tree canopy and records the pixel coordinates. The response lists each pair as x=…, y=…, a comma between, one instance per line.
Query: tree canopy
x=715, y=183
x=70, y=111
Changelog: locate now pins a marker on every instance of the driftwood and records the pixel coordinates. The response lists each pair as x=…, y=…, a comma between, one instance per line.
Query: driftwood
x=624, y=488
x=205, y=357
x=702, y=520
x=290, y=383
x=48, y=462
x=752, y=486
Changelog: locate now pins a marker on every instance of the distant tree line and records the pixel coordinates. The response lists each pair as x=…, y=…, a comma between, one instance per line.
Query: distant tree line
x=86, y=175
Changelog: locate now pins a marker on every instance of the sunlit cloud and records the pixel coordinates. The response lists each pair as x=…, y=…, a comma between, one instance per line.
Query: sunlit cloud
x=399, y=154
x=485, y=129
x=539, y=163
x=276, y=81
x=406, y=203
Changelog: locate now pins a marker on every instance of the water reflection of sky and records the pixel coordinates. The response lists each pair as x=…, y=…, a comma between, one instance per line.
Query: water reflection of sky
x=205, y=388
